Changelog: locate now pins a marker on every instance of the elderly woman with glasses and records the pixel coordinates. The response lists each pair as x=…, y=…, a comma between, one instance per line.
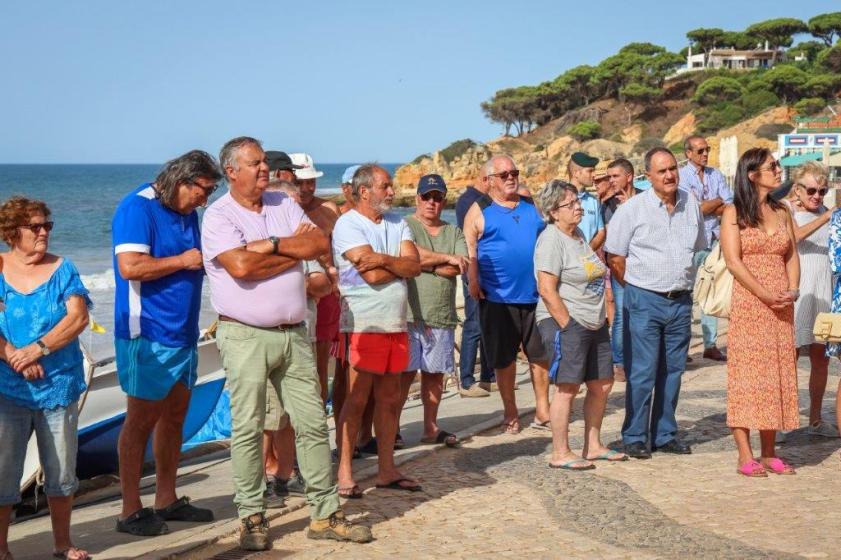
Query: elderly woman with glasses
x=44, y=309
x=571, y=320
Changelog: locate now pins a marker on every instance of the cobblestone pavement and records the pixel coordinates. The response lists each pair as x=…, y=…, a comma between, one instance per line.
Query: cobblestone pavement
x=496, y=497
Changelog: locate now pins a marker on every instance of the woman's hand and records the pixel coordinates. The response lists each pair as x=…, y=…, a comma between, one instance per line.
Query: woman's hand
x=24, y=357
x=777, y=301
x=33, y=372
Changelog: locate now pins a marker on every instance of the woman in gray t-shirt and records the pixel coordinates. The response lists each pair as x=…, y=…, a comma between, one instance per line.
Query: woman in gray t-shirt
x=571, y=319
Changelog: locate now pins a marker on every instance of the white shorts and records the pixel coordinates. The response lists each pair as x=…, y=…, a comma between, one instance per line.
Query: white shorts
x=430, y=349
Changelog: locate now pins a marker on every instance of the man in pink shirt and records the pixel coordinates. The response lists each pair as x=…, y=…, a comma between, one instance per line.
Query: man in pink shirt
x=253, y=243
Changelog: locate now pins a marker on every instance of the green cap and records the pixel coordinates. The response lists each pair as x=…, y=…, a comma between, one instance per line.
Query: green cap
x=584, y=160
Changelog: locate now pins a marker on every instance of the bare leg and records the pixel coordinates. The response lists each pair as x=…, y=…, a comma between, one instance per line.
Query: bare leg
x=284, y=445
x=540, y=383
x=367, y=429
x=141, y=417
x=167, y=444
x=817, y=380
x=5, y=519
x=339, y=395
x=432, y=387
x=594, y=406
x=387, y=393
x=406, y=380
x=60, y=509
x=505, y=379
x=742, y=438
x=322, y=358
x=359, y=387
x=559, y=415
x=269, y=452
x=766, y=440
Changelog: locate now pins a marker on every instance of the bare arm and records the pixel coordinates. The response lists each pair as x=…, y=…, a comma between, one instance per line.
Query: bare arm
x=318, y=285
x=255, y=261
x=792, y=258
x=377, y=268
x=616, y=263
x=65, y=331
x=712, y=206
x=598, y=239
x=145, y=268
x=474, y=224
x=547, y=286
x=804, y=231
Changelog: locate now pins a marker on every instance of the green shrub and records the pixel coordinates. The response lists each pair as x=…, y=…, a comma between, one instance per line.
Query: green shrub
x=420, y=158
x=809, y=106
x=456, y=149
x=717, y=90
x=754, y=102
x=646, y=144
x=720, y=116
x=585, y=130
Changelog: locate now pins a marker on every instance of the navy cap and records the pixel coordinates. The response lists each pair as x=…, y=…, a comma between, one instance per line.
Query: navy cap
x=280, y=160
x=584, y=160
x=431, y=182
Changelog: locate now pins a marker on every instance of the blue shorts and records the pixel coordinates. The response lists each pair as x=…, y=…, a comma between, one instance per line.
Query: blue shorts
x=430, y=349
x=149, y=370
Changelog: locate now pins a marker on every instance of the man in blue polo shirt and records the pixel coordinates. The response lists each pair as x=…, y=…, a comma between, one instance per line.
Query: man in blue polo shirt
x=158, y=272
x=580, y=169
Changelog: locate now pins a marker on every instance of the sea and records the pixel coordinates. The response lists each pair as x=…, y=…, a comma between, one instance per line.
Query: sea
x=82, y=199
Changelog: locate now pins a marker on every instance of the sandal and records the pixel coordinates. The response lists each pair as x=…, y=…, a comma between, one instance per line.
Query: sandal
x=143, y=523
x=448, y=439
x=753, y=469
x=575, y=465
x=395, y=485
x=398, y=441
x=511, y=428
x=778, y=466
x=181, y=510
x=65, y=554
x=370, y=448
x=352, y=493
x=611, y=456
x=545, y=426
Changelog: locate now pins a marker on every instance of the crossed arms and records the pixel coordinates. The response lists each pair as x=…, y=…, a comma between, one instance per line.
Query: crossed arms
x=379, y=268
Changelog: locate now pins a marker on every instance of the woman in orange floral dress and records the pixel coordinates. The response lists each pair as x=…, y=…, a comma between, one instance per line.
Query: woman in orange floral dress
x=757, y=238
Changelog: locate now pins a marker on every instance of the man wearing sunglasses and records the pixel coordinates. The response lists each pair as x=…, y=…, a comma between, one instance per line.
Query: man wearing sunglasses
x=712, y=191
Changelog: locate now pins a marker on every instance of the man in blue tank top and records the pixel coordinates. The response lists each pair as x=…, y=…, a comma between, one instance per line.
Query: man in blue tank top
x=501, y=232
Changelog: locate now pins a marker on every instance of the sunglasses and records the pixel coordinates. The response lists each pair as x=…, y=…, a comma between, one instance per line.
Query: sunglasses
x=811, y=191
x=36, y=228
x=434, y=195
x=207, y=190
x=700, y=151
x=773, y=166
x=505, y=174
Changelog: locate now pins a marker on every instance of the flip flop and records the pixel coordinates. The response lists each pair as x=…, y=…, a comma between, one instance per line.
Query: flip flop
x=545, y=426
x=395, y=485
x=570, y=465
x=65, y=554
x=352, y=493
x=511, y=428
x=448, y=439
x=778, y=466
x=611, y=456
x=753, y=469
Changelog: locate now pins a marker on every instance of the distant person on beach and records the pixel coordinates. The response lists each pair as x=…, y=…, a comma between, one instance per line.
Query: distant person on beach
x=432, y=304
x=158, y=273
x=581, y=168
x=712, y=191
x=501, y=231
x=571, y=319
x=374, y=253
x=45, y=308
x=254, y=242
x=281, y=167
x=471, y=333
x=347, y=188
x=620, y=173
x=651, y=240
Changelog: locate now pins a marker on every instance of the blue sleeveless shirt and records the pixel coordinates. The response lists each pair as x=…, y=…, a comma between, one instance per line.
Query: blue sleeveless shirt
x=506, y=251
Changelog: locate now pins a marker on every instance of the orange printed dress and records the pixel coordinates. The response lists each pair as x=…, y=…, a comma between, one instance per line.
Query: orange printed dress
x=761, y=362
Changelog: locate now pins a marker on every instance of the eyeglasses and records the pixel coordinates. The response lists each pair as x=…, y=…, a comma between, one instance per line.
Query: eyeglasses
x=773, y=166
x=434, y=195
x=36, y=228
x=811, y=191
x=700, y=151
x=207, y=190
x=505, y=174
x=571, y=205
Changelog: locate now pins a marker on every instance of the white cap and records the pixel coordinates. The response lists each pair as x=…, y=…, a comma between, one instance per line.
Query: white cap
x=307, y=170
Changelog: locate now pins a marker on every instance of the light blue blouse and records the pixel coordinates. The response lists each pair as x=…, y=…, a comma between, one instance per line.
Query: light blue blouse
x=26, y=318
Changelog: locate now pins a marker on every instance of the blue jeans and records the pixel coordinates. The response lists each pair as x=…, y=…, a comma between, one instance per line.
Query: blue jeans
x=471, y=344
x=709, y=324
x=657, y=333
x=56, y=434
x=616, y=341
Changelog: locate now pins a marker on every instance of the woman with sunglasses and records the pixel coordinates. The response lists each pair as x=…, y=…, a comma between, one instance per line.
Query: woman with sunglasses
x=44, y=309
x=757, y=238
x=811, y=229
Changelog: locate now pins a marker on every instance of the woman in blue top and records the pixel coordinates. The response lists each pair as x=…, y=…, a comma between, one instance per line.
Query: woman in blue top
x=43, y=309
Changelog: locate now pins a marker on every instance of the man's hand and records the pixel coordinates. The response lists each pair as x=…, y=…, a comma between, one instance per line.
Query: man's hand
x=460, y=262
x=475, y=291
x=304, y=227
x=33, y=372
x=369, y=261
x=191, y=259
x=24, y=357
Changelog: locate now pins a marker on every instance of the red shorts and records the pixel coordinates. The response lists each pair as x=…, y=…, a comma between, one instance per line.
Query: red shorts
x=378, y=353
x=327, y=318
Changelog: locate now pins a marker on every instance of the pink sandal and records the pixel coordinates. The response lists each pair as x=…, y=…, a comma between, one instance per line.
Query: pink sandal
x=778, y=466
x=753, y=469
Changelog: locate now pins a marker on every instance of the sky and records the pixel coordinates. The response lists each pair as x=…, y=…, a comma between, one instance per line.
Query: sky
x=99, y=81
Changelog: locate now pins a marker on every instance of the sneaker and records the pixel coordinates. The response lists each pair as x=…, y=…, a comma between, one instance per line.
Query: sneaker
x=823, y=429
x=473, y=391
x=489, y=386
x=254, y=533
x=338, y=528
x=273, y=499
x=294, y=486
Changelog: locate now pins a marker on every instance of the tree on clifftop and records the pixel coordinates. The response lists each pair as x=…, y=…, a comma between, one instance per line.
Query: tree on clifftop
x=778, y=32
x=706, y=38
x=737, y=40
x=786, y=81
x=718, y=89
x=831, y=59
x=826, y=26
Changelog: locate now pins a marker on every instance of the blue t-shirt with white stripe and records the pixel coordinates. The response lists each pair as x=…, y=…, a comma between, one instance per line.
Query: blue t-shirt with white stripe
x=165, y=310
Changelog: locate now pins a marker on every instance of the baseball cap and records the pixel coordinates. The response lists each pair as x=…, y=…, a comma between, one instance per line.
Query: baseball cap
x=431, y=182
x=280, y=160
x=347, y=176
x=306, y=168
x=584, y=160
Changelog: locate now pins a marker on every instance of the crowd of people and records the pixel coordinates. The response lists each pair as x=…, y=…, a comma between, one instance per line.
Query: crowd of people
x=592, y=287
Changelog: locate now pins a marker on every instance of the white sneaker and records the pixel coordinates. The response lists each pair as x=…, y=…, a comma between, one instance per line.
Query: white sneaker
x=823, y=429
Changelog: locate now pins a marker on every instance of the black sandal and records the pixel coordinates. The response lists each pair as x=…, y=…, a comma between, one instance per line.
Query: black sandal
x=352, y=493
x=143, y=523
x=182, y=510
x=443, y=436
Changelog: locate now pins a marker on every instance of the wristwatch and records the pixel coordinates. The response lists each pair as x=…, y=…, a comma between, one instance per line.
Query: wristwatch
x=45, y=350
x=275, y=242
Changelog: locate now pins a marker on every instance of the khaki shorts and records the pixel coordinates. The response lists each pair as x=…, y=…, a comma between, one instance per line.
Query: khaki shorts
x=276, y=417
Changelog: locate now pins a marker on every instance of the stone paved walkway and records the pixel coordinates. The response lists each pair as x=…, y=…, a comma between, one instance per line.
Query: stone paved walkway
x=496, y=497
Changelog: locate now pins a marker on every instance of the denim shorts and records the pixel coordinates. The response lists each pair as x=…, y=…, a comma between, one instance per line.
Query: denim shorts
x=149, y=370
x=56, y=434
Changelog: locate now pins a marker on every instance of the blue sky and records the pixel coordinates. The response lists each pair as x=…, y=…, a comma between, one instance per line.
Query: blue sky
x=140, y=82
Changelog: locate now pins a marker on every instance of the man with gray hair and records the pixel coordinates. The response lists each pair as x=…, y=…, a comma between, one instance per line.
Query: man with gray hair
x=712, y=191
x=254, y=242
x=650, y=243
x=158, y=274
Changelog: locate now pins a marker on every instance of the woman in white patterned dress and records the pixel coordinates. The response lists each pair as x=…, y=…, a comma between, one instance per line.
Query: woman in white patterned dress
x=811, y=220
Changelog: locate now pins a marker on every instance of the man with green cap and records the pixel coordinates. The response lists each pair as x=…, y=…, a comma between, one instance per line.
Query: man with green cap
x=580, y=170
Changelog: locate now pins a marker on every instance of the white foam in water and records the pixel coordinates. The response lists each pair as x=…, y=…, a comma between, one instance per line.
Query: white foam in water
x=100, y=281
